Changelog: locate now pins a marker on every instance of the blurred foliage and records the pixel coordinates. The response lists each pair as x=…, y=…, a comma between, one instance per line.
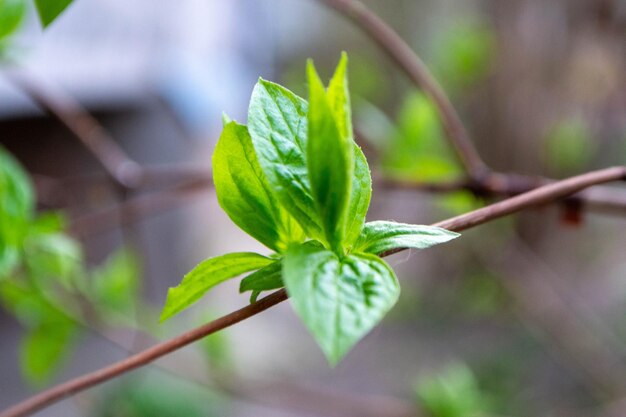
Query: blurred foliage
x=417, y=149
x=453, y=392
x=481, y=294
x=114, y=287
x=12, y=13
x=569, y=146
x=160, y=396
x=367, y=79
x=216, y=349
x=44, y=281
x=463, y=53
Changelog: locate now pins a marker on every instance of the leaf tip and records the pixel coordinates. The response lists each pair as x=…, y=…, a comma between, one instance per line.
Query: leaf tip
x=225, y=119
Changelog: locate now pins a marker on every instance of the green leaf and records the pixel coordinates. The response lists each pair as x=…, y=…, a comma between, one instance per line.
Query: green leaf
x=339, y=97
x=360, y=197
x=208, y=274
x=16, y=208
x=277, y=121
x=53, y=256
x=244, y=193
x=454, y=392
x=265, y=279
x=381, y=236
x=338, y=300
x=11, y=14
x=49, y=10
x=115, y=284
x=49, y=222
x=43, y=349
x=16, y=198
x=330, y=163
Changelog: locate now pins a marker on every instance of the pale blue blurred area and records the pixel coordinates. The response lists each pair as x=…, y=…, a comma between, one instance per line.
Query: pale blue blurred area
x=200, y=57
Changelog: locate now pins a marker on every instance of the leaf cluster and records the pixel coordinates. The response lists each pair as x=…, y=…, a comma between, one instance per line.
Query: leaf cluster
x=295, y=180
x=13, y=13
x=44, y=282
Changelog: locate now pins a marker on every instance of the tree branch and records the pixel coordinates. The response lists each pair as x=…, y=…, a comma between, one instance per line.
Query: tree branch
x=537, y=197
x=400, y=52
x=605, y=200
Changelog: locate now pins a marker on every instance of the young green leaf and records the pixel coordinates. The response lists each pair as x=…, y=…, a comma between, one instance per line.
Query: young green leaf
x=338, y=300
x=208, y=274
x=265, y=279
x=44, y=348
x=381, y=236
x=49, y=10
x=339, y=98
x=277, y=120
x=360, y=197
x=330, y=163
x=244, y=193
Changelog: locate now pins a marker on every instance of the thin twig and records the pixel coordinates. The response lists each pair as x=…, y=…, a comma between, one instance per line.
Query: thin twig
x=118, y=165
x=400, y=52
x=599, y=199
x=532, y=198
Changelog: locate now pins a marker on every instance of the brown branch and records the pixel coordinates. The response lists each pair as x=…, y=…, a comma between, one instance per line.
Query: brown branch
x=539, y=196
x=62, y=107
x=600, y=199
x=400, y=52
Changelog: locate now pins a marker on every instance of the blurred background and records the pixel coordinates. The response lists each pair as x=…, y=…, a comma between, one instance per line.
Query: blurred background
x=523, y=316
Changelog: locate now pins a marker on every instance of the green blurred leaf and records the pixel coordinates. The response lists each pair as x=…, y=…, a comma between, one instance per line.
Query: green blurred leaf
x=16, y=207
x=30, y=306
x=330, y=155
x=12, y=13
x=217, y=348
x=158, y=395
x=339, y=301
x=418, y=150
x=464, y=53
x=277, y=122
x=43, y=349
x=244, y=193
x=458, y=202
x=53, y=256
x=208, y=274
x=381, y=236
x=49, y=10
x=49, y=222
x=115, y=284
x=452, y=393
x=569, y=146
